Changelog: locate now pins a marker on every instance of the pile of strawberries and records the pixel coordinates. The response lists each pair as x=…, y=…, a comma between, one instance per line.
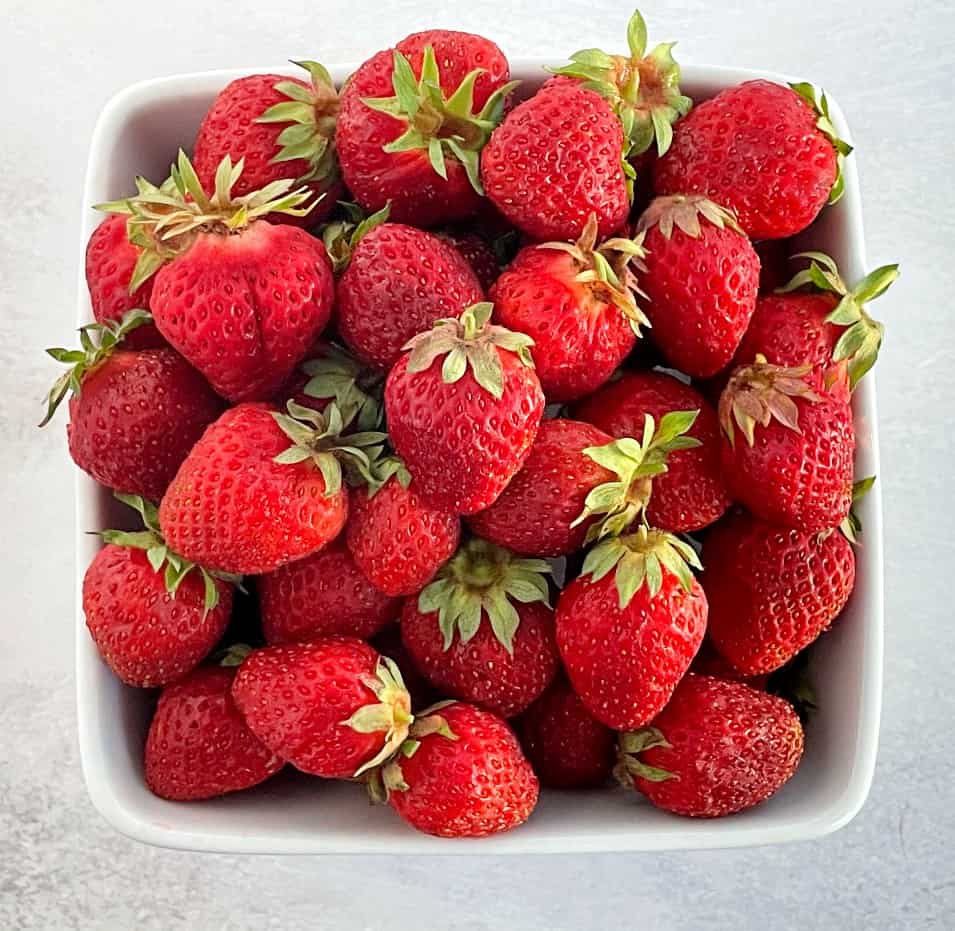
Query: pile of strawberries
x=432, y=405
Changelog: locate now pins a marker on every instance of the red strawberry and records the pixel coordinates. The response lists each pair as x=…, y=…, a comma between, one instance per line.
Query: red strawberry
x=134, y=416
x=796, y=469
x=708, y=662
x=566, y=746
x=690, y=494
x=628, y=636
x=333, y=708
x=198, y=744
x=768, y=152
x=717, y=748
x=464, y=428
x=578, y=303
x=413, y=121
x=701, y=277
x=555, y=160
x=282, y=128
x=462, y=774
x=476, y=252
x=772, y=591
x=322, y=595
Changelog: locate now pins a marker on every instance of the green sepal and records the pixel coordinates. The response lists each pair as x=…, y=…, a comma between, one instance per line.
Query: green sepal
x=851, y=527
x=387, y=777
x=335, y=375
x=817, y=100
x=629, y=765
x=232, y=656
x=341, y=236
x=793, y=684
x=684, y=211
x=391, y=713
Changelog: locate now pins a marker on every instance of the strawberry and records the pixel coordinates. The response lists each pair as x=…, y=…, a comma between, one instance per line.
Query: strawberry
x=464, y=428
x=772, y=591
x=578, y=303
x=769, y=153
x=566, y=746
x=690, y=494
x=151, y=617
x=709, y=662
x=282, y=128
x=241, y=298
x=413, y=121
x=247, y=501
x=628, y=633
x=134, y=416
x=475, y=251
x=333, y=707
x=322, y=595
x=198, y=744
x=461, y=774
x=556, y=159
x=717, y=748
x=797, y=469
x=701, y=277
x=504, y=653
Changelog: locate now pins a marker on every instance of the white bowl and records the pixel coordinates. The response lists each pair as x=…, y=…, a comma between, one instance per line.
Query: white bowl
x=139, y=132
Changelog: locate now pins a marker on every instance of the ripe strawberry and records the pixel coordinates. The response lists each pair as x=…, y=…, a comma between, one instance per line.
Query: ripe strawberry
x=413, y=121
x=767, y=152
x=556, y=159
x=504, y=654
x=708, y=662
x=322, y=595
x=566, y=746
x=282, y=128
x=797, y=470
x=717, y=748
x=772, y=591
x=578, y=303
x=465, y=428
x=690, y=494
x=134, y=416
x=333, y=708
x=628, y=636
x=198, y=744
x=462, y=774
x=701, y=277
x=475, y=251
x=247, y=501
x=241, y=298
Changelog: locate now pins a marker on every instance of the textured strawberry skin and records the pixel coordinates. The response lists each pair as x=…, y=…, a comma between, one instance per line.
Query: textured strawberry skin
x=690, y=495
x=232, y=508
x=481, y=671
x=461, y=445
x=476, y=252
x=398, y=282
x=533, y=515
x=136, y=418
x=567, y=747
x=579, y=339
x=772, y=591
x=731, y=747
x=397, y=540
x=198, y=744
x=416, y=192
x=296, y=699
x=754, y=148
x=625, y=664
x=702, y=293
x=320, y=596
x=477, y=785
x=244, y=309
x=554, y=160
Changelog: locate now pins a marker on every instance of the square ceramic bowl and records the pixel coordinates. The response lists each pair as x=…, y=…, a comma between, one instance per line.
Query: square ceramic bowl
x=139, y=132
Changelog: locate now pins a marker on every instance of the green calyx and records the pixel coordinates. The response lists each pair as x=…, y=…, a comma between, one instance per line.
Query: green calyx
x=644, y=90
x=861, y=339
x=231, y=656
x=608, y=269
x=639, y=559
x=98, y=340
x=441, y=126
x=312, y=113
x=391, y=713
x=335, y=375
x=484, y=579
x=173, y=566
x=470, y=340
x=635, y=463
x=629, y=765
x=340, y=236
x=684, y=211
x=319, y=438
x=817, y=100
x=385, y=469
x=793, y=684
x=851, y=527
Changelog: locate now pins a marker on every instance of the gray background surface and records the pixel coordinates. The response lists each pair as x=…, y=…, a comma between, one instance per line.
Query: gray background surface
x=892, y=66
